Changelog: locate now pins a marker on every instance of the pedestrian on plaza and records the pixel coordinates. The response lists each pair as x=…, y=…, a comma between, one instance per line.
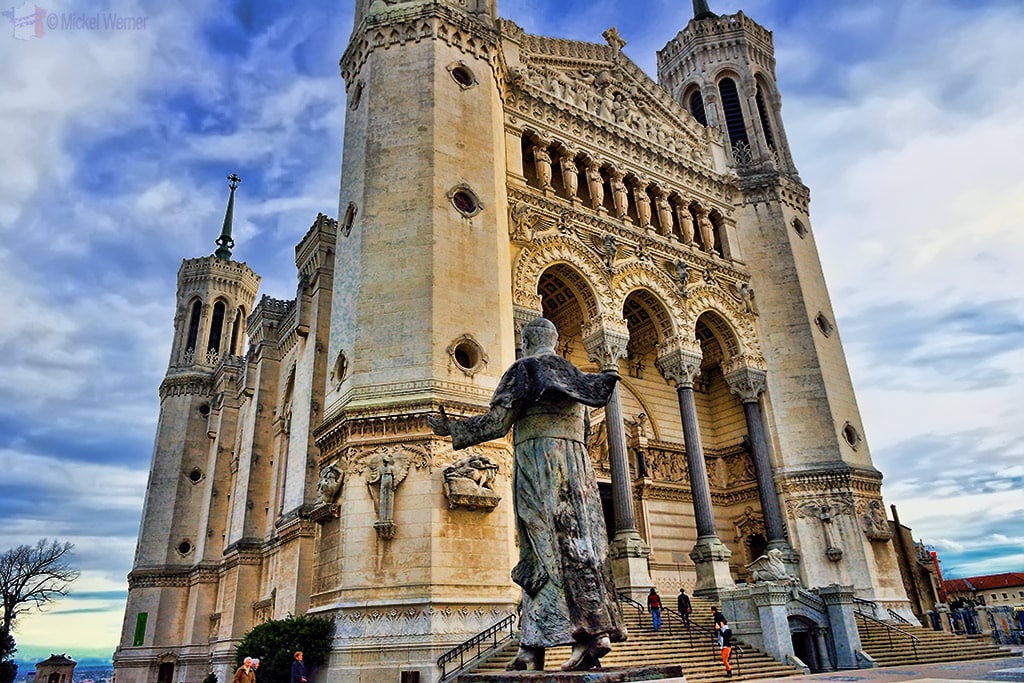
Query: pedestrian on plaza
x=298, y=669
x=255, y=668
x=245, y=673
x=683, y=603
x=724, y=638
x=654, y=607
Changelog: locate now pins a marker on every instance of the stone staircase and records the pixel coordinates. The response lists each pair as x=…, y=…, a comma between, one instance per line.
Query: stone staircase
x=892, y=648
x=694, y=650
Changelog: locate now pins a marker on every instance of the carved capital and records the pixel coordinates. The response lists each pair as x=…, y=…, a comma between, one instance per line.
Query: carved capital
x=766, y=594
x=835, y=594
x=605, y=339
x=678, y=364
x=746, y=383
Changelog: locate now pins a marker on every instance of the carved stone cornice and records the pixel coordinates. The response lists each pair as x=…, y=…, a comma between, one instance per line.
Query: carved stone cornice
x=412, y=24
x=187, y=384
x=384, y=624
x=206, y=572
x=159, y=577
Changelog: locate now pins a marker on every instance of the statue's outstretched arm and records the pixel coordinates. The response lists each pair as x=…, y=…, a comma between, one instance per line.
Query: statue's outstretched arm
x=493, y=424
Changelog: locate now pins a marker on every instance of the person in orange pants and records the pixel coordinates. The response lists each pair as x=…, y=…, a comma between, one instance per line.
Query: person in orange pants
x=724, y=638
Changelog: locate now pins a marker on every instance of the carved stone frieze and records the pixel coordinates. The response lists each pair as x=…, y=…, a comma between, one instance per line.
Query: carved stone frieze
x=873, y=520
x=469, y=483
x=381, y=626
x=747, y=524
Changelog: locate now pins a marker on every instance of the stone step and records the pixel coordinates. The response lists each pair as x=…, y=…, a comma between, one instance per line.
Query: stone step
x=932, y=646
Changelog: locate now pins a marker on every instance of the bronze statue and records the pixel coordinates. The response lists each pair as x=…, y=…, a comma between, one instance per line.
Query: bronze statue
x=563, y=569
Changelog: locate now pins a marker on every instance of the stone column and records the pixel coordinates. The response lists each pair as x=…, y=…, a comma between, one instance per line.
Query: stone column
x=605, y=342
x=843, y=620
x=710, y=556
x=770, y=600
x=748, y=383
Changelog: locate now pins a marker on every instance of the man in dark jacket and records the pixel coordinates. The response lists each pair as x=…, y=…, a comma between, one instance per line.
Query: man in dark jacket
x=683, y=603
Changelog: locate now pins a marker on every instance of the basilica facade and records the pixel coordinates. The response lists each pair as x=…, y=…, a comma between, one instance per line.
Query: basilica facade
x=491, y=177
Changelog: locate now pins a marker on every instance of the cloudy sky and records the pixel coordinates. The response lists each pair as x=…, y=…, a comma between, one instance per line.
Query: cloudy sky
x=903, y=116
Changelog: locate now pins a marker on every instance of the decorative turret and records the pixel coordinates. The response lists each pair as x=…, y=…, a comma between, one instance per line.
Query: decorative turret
x=722, y=70
x=224, y=242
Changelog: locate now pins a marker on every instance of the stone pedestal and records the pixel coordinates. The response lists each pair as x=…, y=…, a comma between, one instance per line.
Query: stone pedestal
x=711, y=562
x=770, y=600
x=665, y=674
x=628, y=554
x=843, y=620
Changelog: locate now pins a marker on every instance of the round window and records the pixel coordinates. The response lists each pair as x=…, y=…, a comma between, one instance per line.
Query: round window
x=851, y=435
x=467, y=355
x=185, y=547
x=465, y=202
x=463, y=76
x=195, y=476
x=824, y=324
x=204, y=409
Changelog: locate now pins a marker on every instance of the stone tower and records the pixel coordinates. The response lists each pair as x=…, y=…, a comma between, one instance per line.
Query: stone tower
x=422, y=316
x=722, y=70
x=215, y=296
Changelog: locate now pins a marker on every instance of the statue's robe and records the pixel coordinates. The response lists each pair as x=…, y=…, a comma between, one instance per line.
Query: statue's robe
x=563, y=568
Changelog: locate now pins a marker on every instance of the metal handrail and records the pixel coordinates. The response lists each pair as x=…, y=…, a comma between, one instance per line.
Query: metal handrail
x=485, y=642
x=896, y=616
x=914, y=640
x=670, y=615
x=859, y=603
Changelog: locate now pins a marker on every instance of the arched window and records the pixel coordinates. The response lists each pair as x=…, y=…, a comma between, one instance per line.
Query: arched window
x=216, y=327
x=733, y=114
x=762, y=112
x=193, y=327
x=696, y=105
x=236, y=328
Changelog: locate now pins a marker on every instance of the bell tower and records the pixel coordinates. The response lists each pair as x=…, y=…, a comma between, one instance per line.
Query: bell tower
x=214, y=297
x=421, y=316
x=722, y=70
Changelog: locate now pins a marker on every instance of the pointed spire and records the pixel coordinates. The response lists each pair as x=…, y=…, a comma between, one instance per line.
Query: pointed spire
x=224, y=242
x=701, y=10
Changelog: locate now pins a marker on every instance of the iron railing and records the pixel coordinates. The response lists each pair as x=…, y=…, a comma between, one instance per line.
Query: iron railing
x=484, y=643
x=676, y=625
x=896, y=616
x=890, y=630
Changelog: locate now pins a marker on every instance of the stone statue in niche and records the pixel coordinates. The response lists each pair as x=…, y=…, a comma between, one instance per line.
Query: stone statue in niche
x=707, y=230
x=664, y=215
x=329, y=485
x=568, y=595
x=470, y=483
x=874, y=523
x=769, y=567
x=619, y=195
x=386, y=472
x=595, y=186
x=686, y=233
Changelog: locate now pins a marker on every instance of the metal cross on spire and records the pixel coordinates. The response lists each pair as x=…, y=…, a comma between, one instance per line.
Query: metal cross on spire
x=224, y=242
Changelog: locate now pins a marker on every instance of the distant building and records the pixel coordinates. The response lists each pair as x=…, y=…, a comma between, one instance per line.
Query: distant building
x=56, y=669
x=992, y=590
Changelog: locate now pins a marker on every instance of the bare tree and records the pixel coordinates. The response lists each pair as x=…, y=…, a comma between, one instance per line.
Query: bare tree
x=31, y=577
